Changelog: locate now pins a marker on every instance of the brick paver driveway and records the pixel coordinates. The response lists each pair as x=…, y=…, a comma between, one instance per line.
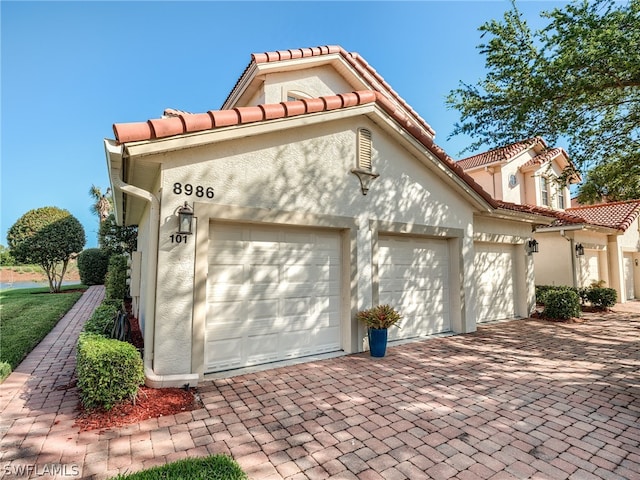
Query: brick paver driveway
x=521, y=399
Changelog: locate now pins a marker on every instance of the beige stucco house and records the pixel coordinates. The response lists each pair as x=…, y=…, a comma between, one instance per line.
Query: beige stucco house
x=586, y=244
x=316, y=191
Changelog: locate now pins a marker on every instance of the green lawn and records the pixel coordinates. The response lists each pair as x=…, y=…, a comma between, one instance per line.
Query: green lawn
x=26, y=316
x=215, y=467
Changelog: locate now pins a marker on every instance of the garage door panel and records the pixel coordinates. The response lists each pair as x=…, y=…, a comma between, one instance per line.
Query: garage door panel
x=414, y=278
x=230, y=312
x=279, y=288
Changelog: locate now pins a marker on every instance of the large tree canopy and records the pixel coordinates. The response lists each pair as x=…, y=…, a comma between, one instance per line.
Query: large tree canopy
x=48, y=237
x=613, y=181
x=577, y=78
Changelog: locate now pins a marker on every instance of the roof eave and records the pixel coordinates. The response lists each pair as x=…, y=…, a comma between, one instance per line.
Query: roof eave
x=533, y=218
x=581, y=226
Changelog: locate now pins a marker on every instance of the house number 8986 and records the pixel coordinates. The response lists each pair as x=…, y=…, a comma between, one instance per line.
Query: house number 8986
x=197, y=190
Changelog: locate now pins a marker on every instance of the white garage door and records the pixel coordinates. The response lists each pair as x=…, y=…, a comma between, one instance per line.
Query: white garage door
x=414, y=278
x=494, y=271
x=628, y=276
x=272, y=294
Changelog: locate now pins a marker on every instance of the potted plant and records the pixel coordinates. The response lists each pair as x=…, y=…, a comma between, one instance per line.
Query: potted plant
x=378, y=319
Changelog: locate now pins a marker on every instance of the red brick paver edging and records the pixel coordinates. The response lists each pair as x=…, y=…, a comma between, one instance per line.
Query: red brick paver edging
x=520, y=399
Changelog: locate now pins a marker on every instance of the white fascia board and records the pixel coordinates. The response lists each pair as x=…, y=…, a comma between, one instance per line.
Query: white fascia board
x=297, y=63
x=532, y=218
x=113, y=154
x=581, y=226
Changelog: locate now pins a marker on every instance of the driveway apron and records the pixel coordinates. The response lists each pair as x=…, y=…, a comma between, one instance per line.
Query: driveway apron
x=520, y=399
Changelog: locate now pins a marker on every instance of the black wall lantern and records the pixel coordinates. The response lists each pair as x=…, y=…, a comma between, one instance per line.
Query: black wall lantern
x=185, y=220
x=579, y=250
x=532, y=246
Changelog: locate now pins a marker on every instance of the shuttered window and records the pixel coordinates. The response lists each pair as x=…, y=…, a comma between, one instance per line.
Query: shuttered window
x=364, y=149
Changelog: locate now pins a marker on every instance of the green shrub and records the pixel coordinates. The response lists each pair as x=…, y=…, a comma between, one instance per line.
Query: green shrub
x=542, y=290
x=602, y=297
x=583, y=293
x=92, y=265
x=116, y=281
x=561, y=304
x=102, y=320
x=109, y=371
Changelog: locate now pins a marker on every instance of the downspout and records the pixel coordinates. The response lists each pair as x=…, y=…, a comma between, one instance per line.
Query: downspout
x=152, y=379
x=572, y=249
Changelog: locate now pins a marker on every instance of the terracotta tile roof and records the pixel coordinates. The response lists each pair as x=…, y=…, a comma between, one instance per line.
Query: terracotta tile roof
x=353, y=58
x=618, y=215
x=559, y=215
x=176, y=123
x=544, y=157
x=501, y=154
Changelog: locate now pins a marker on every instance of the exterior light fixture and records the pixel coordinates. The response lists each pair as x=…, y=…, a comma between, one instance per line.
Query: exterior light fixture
x=366, y=177
x=185, y=220
x=579, y=250
x=532, y=246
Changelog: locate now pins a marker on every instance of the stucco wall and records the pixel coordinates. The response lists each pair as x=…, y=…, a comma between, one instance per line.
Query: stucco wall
x=553, y=265
x=630, y=240
x=316, y=82
x=303, y=170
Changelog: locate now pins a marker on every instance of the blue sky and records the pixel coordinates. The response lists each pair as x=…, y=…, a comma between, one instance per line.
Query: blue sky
x=69, y=70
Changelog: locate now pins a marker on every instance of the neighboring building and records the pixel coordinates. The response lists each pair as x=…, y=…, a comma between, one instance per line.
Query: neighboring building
x=603, y=245
x=317, y=191
x=589, y=243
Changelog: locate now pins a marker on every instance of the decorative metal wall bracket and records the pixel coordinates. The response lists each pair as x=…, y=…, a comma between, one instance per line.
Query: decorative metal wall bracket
x=366, y=177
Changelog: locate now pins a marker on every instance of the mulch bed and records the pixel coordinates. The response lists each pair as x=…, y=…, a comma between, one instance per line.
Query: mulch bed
x=149, y=403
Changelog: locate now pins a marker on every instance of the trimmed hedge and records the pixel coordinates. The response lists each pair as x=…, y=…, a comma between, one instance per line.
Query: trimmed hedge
x=597, y=295
x=108, y=370
x=543, y=290
x=103, y=318
x=92, y=266
x=116, y=281
x=561, y=304
x=602, y=297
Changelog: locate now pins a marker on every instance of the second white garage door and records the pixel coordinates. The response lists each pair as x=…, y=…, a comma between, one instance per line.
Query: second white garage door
x=494, y=272
x=272, y=294
x=414, y=278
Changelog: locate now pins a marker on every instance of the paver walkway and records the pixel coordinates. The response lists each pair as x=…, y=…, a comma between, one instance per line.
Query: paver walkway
x=520, y=399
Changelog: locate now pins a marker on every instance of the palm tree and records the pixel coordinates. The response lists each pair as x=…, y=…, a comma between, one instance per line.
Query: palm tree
x=103, y=203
